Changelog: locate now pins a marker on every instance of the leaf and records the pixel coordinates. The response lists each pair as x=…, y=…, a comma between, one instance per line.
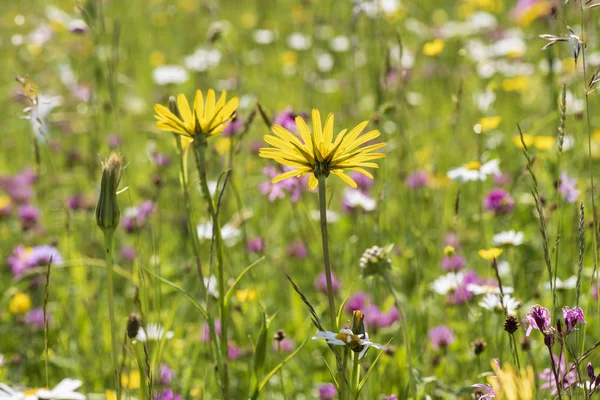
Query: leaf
x=339, y=313
x=364, y=379
x=231, y=290
x=260, y=351
x=265, y=380
x=314, y=316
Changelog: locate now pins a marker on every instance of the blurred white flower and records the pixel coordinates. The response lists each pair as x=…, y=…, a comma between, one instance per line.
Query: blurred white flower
x=298, y=41
x=263, y=36
x=467, y=173
x=65, y=390
x=39, y=114
x=447, y=283
x=511, y=237
x=354, y=198
x=477, y=289
x=332, y=216
x=40, y=35
x=153, y=332
x=484, y=100
x=340, y=44
x=575, y=105
x=492, y=302
x=202, y=60
x=325, y=62
x=570, y=283
x=211, y=286
x=169, y=74
x=229, y=233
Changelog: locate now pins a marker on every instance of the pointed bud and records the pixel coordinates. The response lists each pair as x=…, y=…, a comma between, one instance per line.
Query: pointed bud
x=107, y=209
x=590, y=371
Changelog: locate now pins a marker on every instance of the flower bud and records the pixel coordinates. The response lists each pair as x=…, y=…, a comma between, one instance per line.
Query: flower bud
x=590, y=371
x=375, y=261
x=107, y=209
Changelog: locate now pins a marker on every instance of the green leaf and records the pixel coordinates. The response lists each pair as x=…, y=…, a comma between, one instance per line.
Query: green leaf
x=339, y=313
x=260, y=350
x=364, y=379
x=265, y=380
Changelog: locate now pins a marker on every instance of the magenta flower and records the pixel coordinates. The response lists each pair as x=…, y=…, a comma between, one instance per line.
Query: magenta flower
x=441, y=337
x=391, y=397
x=451, y=239
x=568, y=188
x=29, y=216
x=135, y=217
x=233, y=128
x=388, y=319
x=297, y=250
x=128, y=253
x=484, y=391
x=454, y=262
x=167, y=394
x=293, y=186
x=363, y=183
x=234, y=352
x=256, y=245
x=538, y=318
x=501, y=178
x=166, y=374
x=205, y=334
x=566, y=376
x=417, y=180
x=35, y=318
x=327, y=391
x=499, y=202
x=287, y=119
x=113, y=141
x=357, y=302
x=321, y=283
x=572, y=316
x=286, y=345
x=41, y=256
x=19, y=260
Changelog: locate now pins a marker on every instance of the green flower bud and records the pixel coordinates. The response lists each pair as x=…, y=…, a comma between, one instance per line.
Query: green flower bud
x=107, y=209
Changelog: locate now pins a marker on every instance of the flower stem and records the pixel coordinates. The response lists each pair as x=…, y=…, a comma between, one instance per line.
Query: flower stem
x=108, y=244
x=200, y=152
x=555, y=372
x=323, y=210
x=355, y=375
x=144, y=387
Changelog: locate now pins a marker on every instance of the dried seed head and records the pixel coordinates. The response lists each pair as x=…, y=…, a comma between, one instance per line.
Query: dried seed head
x=478, y=346
x=279, y=335
x=511, y=324
x=107, y=209
x=133, y=325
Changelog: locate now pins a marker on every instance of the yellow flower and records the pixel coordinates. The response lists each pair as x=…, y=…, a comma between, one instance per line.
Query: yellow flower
x=536, y=10
x=527, y=138
x=19, y=304
x=489, y=123
x=510, y=385
x=110, y=395
x=131, y=380
x=320, y=155
x=245, y=295
x=544, y=142
x=205, y=118
x=289, y=58
x=157, y=58
x=433, y=48
x=4, y=202
x=448, y=250
x=516, y=84
x=490, y=254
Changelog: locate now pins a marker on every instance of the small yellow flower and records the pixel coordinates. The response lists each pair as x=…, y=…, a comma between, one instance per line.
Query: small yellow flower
x=131, y=380
x=4, y=202
x=527, y=138
x=157, y=58
x=433, y=48
x=19, y=304
x=516, y=84
x=489, y=123
x=110, y=395
x=544, y=142
x=245, y=295
x=289, y=58
x=205, y=118
x=490, y=254
x=318, y=154
x=508, y=384
x=248, y=20
x=448, y=250
x=536, y=10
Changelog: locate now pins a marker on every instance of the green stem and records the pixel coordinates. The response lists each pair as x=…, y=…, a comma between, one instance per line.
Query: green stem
x=108, y=244
x=138, y=349
x=200, y=152
x=323, y=211
x=355, y=375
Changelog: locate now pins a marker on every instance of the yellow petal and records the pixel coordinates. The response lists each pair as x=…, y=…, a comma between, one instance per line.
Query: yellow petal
x=312, y=182
x=286, y=175
x=199, y=105
x=184, y=110
x=317, y=131
x=210, y=105
x=345, y=178
x=304, y=132
x=328, y=133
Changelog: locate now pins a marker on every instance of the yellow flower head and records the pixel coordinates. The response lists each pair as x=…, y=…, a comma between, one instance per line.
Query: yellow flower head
x=131, y=380
x=527, y=138
x=319, y=154
x=489, y=123
x=19, y=304
x=516, y=84
x=433, y=48
x=245, y=295
x=536, y=10
x=206, y=118
x=510, y=385
x=490, y=254
x=544, y=142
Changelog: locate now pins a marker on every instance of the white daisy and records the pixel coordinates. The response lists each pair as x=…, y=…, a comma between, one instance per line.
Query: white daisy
x=298, y=41
x=332, y=216
x=512, y=238
x=356, y=198
x=347, y=338
x=487, y=289
x=202, y=59
x=153, y=332
x=447, y=283
x=492, y=302
x=211, y=286
x=475, y=172
x=65, y=390
x=169, y=74
x=570, y=283
x=229, y=233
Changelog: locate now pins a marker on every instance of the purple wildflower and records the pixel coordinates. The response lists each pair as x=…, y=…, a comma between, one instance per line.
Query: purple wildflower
x=357, y=302
x=453, y=262
x=113, y=141
x=499, y=202
x=538, y=318
x=327, y=391
x=29, y=216
x=166, y=374
x=572, y=316
x=233, y=128
x=35, y=318
x=568, y=188
x=417, y=180
x=297, y=250
x=234, y=352
x=391, y=397
x=484, y=391
x=128, y=253
x=43, y=255
x=205, y=334
x=362, y=182
x=566, y=376
x=286, y=345
x=321, y=283
x=451, y=239
x=501, y=178
x=256, y=245
x=441, y=337
x=287, y=119
x=293, y=186
x=167, y=394
x=19, y=260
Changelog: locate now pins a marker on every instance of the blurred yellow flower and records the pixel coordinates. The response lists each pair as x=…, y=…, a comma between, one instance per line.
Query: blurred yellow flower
x=289, y=58
x=448, y=250
x=527, y=138
x=205, y=118
x=19, y=304
x=245, y=295
x=544, y=142
x=4, y=201
x=490, y=254
x=538, y=9
x=299, y=14
x=222, y=145
x=248, y=20
x=473, y=165
x=131, y=380
x=516, y=84
x=318, y=154
x=508, y=384
x=489, y=123
x=433, y=48
x=157, y=58
x=188, y=5
x=110, y=395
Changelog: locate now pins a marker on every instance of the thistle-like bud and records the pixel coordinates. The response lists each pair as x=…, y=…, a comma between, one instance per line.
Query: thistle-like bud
x=478, y=346
x=511, y=324
x=133, y=325
x=107, y=209
x=375, y=261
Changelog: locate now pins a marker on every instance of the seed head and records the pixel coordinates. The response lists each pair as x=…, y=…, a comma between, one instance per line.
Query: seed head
x=478, y=346
x=133, y=325
x=511, y=324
